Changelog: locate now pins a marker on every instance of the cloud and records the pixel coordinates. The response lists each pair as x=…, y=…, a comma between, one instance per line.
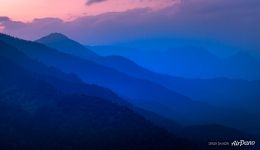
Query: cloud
x=234, y=22
x=4, y=19
x=90, y=2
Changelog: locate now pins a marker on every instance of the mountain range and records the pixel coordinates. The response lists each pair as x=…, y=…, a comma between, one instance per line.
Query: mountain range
x=214, y=91
x=36, y=115
x=63, y=90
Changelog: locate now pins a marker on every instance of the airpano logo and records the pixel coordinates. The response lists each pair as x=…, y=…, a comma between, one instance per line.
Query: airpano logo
x=243, y=143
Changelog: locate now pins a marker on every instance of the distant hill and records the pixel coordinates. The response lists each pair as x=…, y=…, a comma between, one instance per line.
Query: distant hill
x=188, y=62
x=56, y=40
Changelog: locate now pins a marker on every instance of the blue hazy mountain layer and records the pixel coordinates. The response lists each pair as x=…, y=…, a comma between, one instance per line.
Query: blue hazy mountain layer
x=215, y=90
x=130, y=68
x=189, y=61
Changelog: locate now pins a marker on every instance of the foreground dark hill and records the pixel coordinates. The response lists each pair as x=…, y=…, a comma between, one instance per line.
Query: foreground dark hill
x=222, y=92
x=35, y=115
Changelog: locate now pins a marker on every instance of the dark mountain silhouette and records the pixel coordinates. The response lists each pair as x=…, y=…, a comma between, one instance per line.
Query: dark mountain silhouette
x=35, y=115
x=222, y=92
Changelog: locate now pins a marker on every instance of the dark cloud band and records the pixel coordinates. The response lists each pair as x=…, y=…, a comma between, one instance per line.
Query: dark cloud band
x=4, y=19
x=90, y=2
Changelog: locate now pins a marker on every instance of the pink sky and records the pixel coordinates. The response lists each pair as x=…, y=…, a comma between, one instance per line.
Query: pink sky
x=27, y=10
x=234, y=23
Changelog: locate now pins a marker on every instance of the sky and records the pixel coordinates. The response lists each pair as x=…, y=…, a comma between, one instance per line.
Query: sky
x=102, y=22
x=27, y=10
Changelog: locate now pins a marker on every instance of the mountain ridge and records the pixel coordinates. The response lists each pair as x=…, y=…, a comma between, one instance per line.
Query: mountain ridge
x=43, y=118
x=131, y=68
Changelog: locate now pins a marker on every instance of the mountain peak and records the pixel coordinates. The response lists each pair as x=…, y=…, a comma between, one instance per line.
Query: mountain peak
x=64, y=44
x=55, y=36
